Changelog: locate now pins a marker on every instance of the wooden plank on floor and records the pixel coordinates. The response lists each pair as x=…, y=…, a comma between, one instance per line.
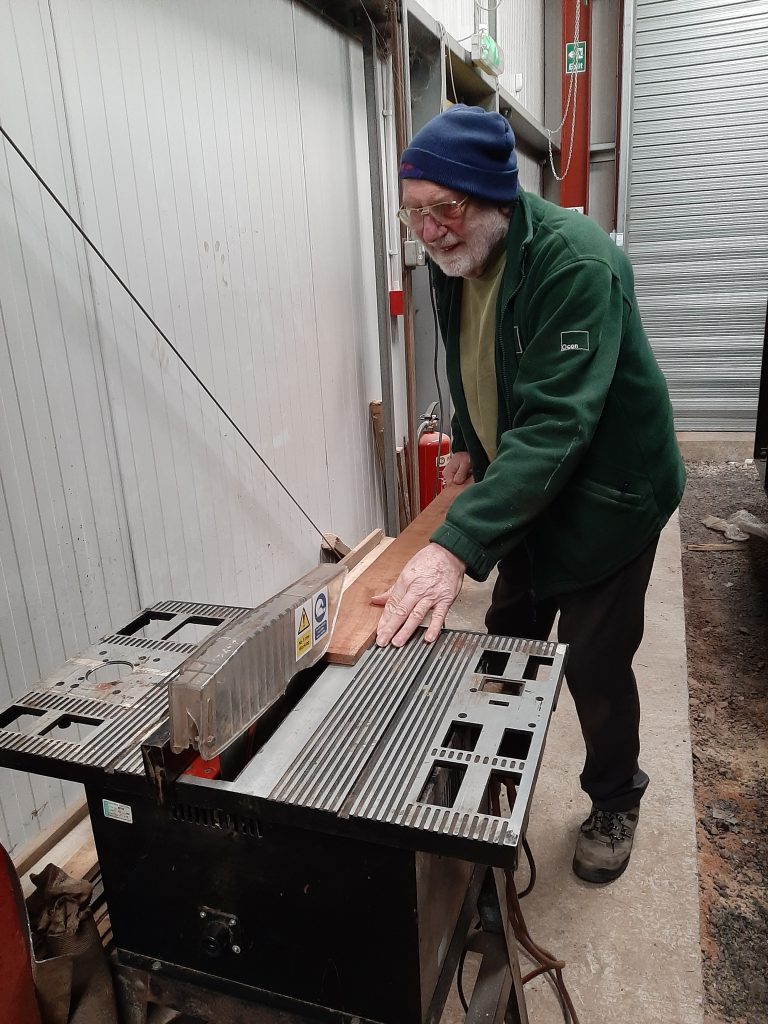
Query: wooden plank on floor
x=356, y=625
x=66, y=850
x=84, y=862
x=30, y=853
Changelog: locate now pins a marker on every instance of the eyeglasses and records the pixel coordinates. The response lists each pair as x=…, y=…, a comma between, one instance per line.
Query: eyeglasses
x=413, y=216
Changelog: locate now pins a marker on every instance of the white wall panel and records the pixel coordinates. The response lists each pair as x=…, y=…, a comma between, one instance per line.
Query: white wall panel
x=529, y=172
x=65, y=565
x=456, y=16
x=521, y=36
x=218, y=156
x=217, y=153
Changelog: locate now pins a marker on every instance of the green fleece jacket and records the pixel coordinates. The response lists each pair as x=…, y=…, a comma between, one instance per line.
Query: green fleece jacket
x=587, y=469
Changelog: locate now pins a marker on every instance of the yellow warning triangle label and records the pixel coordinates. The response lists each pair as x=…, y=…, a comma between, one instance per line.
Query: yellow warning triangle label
x=303, y=621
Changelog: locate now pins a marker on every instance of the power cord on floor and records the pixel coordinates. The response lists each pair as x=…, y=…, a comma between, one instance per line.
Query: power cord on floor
x=528, y=889
x=546, y=963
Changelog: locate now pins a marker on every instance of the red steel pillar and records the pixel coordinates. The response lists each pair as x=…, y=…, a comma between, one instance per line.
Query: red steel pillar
x=574, y=190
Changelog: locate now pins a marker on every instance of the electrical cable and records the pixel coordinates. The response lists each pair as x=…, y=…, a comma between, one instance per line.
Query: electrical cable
x=460, y=981
x=532, y=866
x=546, y=962
x=437, y=382
x=162, y=333
x=449, y=61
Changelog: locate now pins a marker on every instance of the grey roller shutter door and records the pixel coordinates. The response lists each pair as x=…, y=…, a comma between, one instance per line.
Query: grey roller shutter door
x=697, y=223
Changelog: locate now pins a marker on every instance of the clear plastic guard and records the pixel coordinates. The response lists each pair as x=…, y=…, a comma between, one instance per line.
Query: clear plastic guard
x=238, y=672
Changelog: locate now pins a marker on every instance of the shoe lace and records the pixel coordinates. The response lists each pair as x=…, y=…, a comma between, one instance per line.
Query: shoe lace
x=611, y=824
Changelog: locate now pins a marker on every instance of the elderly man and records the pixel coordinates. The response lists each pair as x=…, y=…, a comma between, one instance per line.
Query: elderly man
x=563, y=418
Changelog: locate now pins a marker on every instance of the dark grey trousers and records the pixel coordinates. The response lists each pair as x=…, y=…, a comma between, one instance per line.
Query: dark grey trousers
x=603, y=626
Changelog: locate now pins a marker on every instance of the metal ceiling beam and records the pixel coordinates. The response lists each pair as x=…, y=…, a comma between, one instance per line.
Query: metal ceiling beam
x=355, y=17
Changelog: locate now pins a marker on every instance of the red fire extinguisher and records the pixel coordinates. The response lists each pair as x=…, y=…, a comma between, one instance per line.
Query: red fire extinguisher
x=434, y=452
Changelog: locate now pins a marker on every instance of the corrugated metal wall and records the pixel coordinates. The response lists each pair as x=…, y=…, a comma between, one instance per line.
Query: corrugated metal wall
x=697, y=229
x=218, y=155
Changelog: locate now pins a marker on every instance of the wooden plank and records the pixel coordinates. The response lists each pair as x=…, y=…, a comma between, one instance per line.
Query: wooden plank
x=63, y=852
x=713, y=547
x=403, y=499
x=84, y=862
x=377, y=419
x=30, y=853
x=356, y=625
x=364, y=548
x=369, y=559
x=333, y=548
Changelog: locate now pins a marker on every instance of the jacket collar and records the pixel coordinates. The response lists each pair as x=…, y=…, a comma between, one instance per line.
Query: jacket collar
x=519, y=236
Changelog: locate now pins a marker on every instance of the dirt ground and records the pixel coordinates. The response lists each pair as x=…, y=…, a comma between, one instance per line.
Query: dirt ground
x=726, y=606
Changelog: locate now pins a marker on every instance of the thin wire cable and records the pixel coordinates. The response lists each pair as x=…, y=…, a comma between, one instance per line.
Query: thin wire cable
x=482, y=7
x=450, y=65
x=573, y=89
x=160, y=331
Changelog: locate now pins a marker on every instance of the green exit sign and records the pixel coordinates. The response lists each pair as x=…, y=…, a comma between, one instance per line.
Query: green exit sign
x=575, y=57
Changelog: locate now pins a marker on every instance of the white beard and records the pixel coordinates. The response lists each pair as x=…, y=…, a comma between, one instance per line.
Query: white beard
x=469, y=259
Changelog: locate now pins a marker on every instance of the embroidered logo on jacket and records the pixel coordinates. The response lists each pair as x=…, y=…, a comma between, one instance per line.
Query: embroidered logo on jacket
x=570, y=340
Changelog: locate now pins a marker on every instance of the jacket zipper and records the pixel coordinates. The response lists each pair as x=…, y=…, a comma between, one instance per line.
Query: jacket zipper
x=504, y=378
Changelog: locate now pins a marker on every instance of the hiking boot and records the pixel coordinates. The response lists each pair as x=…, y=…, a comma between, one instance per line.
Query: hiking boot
x=604, y=844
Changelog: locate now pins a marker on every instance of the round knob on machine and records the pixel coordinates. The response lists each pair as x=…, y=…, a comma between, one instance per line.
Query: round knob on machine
x=215, y=938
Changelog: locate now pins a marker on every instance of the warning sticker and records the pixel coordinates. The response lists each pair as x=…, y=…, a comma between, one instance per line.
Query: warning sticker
x=320, y=614
x=303, y=629
x=118, y=812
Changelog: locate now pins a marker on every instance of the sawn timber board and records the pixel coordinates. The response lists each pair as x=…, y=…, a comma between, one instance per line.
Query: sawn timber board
x=357, y=620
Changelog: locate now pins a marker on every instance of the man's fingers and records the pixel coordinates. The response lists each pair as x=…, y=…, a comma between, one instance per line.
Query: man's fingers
x=412, y=623
x=381, y=598
x=395, y=614
x=439, y=613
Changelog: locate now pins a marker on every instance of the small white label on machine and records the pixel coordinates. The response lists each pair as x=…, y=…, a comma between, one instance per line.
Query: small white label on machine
x=120, y=812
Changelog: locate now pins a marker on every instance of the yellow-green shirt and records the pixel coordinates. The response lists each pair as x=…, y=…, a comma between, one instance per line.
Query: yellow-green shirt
x=478, y=351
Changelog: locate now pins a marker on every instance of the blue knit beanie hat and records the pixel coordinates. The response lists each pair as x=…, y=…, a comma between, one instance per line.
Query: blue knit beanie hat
x=468, y=149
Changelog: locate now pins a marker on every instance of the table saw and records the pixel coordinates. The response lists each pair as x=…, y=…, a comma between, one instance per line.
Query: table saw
x=281, y=839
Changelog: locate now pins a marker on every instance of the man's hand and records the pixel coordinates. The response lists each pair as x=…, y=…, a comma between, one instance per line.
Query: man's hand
x=458, y=470
x=431, y=581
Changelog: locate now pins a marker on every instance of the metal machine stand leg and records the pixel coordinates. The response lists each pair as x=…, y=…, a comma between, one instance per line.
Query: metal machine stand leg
x=131, y=992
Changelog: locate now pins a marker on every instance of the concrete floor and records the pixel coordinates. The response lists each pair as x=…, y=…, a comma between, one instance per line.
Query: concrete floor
x=632, y=948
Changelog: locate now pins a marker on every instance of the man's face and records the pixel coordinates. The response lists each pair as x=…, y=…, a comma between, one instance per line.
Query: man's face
x=461, y=247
